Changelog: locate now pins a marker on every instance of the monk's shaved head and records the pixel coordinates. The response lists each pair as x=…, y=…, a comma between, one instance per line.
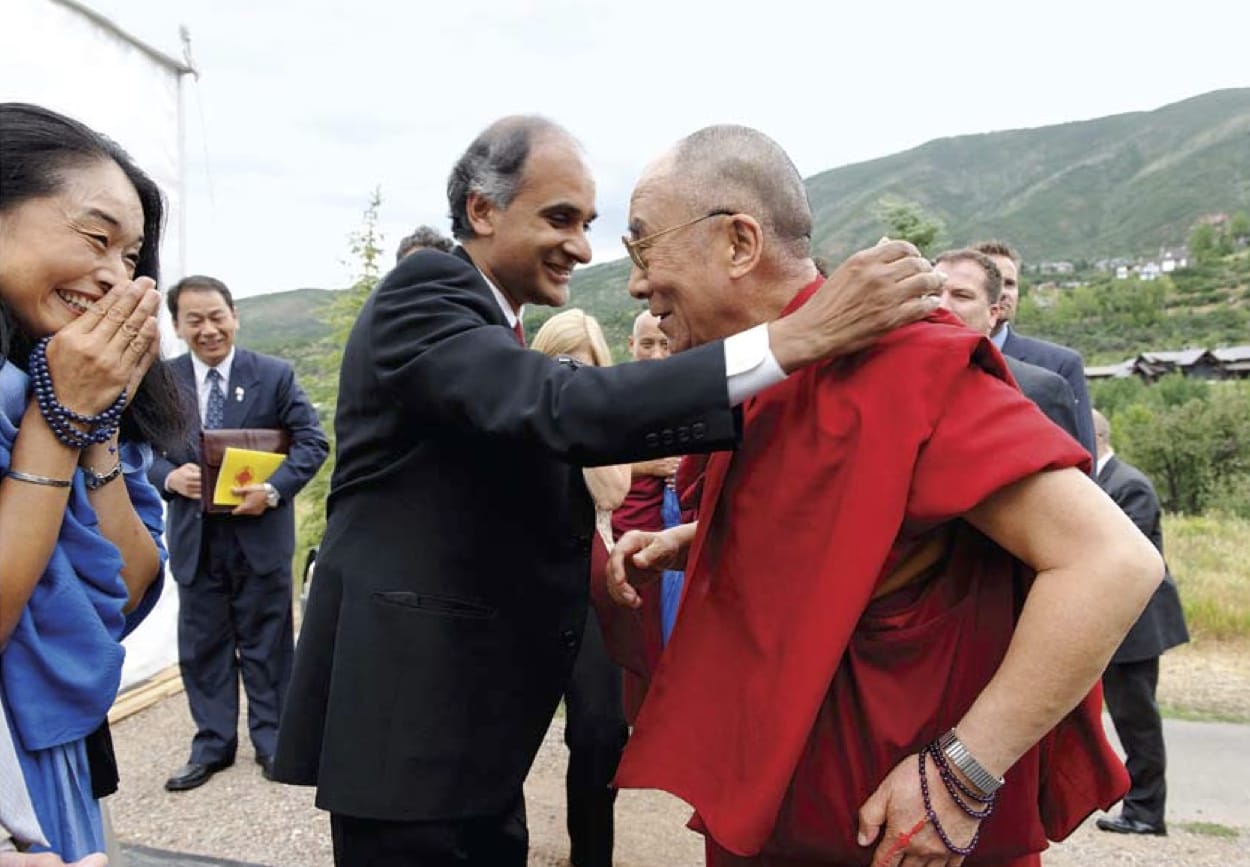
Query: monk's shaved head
x=743, y=170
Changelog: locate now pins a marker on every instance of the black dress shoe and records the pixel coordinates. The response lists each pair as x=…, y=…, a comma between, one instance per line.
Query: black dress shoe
x=193, y=774
x=266, y=766
x=1121, y=825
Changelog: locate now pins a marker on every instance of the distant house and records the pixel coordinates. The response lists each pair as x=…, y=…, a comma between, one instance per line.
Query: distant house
x=1234, y=360
x=1172, y=258
x=1229, y=363
x=1055, y=268
x=1193, y=363
x=1120, y=370
x=1149, y=271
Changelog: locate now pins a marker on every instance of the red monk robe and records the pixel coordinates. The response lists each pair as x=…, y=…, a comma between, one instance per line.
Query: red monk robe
x=643, y=509
x=785, y=697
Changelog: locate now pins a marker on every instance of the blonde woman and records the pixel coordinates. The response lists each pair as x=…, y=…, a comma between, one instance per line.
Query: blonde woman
x=595, y=729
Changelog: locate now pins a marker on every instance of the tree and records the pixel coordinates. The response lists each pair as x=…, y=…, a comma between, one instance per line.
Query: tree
x=907, y=221
x=1202, y=243
x=1239, y=227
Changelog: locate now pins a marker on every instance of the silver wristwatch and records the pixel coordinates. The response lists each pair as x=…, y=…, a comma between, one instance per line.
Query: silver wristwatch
x=272, y=497
x=957, y=754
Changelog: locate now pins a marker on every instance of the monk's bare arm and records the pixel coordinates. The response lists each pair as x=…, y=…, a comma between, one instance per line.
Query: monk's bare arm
x=640, y=557
x=1095, y=573
x=607, y=485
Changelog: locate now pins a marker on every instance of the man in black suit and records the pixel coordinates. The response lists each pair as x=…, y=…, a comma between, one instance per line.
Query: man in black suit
x=1042, y=353
x=972, y=292
x=452, y=581
x=1130, y=680
x=233, y=570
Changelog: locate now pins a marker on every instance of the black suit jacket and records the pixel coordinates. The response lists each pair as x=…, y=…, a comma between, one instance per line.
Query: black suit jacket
x=1049, y=391
x=262, y=393
x=1068, y=364
x=452, y=582
x=1162, y=624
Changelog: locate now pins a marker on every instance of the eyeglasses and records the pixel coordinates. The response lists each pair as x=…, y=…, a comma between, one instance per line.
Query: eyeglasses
x=635, y=247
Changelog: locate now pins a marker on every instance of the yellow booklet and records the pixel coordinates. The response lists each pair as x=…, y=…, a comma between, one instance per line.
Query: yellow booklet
x=240, y=468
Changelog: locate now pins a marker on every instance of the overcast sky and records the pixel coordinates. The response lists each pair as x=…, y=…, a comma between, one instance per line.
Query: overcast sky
x=303, y=107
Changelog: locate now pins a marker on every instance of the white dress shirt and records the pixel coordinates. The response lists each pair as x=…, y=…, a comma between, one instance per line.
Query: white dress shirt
x=750, y=366
x=201, y=380
x=1102, y=462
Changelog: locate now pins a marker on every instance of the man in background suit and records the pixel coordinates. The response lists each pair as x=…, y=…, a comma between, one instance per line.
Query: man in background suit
x=422, y=238
x=452, y=582
x=1130, y=680
x=1062, y=360
x=233, y=570
x=972, y=292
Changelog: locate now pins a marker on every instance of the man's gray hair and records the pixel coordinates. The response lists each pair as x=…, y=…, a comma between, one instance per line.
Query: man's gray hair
x=492, y=166
x=741, y=169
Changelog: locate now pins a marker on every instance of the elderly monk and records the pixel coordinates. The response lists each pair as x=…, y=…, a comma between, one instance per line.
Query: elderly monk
x=902, y=587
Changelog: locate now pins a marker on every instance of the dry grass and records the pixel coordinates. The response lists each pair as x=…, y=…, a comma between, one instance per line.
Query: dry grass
x=1210, y=558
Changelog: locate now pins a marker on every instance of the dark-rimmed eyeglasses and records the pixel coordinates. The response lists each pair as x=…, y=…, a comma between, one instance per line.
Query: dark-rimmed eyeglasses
x=635, y=247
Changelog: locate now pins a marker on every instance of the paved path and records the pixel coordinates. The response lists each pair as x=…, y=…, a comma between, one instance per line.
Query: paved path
x=1208, y=771
x=144, y=856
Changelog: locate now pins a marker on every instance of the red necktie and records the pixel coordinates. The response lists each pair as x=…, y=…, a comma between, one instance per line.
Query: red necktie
x=519, y=330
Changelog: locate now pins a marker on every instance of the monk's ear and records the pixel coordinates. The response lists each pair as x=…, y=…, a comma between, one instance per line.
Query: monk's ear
x=482, y=213
x=746, y=244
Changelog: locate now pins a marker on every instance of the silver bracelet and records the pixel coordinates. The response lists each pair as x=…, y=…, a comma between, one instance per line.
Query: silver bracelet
x=94, y=481
x=32, y=479
x=957, y=754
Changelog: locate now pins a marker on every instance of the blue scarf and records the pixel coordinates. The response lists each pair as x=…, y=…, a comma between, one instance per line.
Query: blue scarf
x=61, y=669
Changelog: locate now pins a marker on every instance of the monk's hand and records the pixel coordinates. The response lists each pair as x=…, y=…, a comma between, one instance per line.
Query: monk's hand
x=639, y=558
x=894, y=818
x=255, y=500
x=871, y=293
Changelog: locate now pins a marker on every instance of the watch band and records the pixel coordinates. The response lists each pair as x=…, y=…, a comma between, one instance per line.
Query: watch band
x=957, y=754
x=94, y=481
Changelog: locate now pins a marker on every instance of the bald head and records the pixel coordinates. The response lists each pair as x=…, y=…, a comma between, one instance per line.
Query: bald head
x=740, y=169
x=647, y=340
x=1102, y=433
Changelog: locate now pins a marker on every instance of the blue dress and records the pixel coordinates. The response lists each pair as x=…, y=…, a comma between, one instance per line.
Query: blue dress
x=61, y=669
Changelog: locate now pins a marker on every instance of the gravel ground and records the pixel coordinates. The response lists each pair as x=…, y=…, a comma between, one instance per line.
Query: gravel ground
x=238, y=815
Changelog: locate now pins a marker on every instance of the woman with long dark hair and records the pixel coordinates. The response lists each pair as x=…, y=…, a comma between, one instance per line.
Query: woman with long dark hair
x=82, y=400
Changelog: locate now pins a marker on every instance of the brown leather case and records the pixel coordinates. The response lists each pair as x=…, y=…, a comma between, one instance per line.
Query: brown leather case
x=213, y=445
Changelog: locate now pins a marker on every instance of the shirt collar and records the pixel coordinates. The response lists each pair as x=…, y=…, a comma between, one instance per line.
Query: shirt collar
x=201, y=369
x=999, y=337
x=502, y=301
x=1102, y=462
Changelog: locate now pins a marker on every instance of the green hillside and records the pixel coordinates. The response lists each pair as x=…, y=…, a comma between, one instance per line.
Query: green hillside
x=280, y=321
x=1116, y=186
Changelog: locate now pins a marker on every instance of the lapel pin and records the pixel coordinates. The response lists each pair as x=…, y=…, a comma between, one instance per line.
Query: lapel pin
x=238, y=393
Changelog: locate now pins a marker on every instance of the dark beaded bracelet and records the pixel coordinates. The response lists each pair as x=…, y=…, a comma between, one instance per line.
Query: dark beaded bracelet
x=60, y=418
x=961, y=794
x=933, y=817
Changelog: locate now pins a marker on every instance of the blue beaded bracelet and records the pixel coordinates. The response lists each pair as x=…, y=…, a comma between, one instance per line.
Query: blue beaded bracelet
x=59, y=417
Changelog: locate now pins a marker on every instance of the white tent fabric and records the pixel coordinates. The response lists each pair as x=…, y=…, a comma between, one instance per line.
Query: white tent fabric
x=62, y=55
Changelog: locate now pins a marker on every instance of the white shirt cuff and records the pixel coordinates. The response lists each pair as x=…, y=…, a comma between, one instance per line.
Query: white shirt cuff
x=750, y=366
